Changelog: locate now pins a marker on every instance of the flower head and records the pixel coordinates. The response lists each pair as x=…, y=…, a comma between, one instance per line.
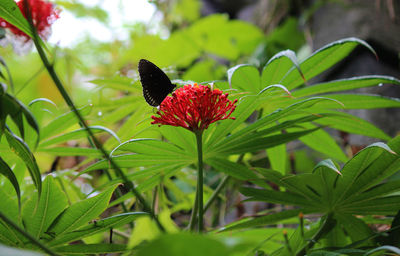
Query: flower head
x=194, y=107
x=43, y=15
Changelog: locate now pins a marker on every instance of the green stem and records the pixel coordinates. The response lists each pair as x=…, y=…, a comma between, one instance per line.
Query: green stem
x=200, y=177
x=27, y=235
x=327, y=226
x=99, y=146
x=220, y=186
x=214, y=195
x=193, y=216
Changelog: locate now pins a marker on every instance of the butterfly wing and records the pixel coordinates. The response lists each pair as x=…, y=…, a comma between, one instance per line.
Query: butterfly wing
x=156, y=84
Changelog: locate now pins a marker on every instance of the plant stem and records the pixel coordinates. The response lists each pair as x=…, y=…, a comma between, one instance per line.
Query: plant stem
x=327, y=226
x=27, y=235
x=214, y=195
x=98, y=145
x=220, y=186
x=193, y=216
x=200, y=177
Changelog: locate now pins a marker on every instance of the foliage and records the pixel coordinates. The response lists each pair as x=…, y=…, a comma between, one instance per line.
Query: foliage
x=101, y=202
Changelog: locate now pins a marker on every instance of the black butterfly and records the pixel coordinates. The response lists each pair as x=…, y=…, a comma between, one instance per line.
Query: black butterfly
x=156, y=84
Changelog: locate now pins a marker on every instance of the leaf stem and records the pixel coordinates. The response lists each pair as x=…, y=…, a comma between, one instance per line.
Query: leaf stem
x=200, y=178
x=327, y=226
x=27, y=235
x=214, y=195
x=193, y=216
x=98, y=145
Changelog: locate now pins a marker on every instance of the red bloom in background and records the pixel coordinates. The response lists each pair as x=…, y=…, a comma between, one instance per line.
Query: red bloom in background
x=194, y=107
x=43, y=15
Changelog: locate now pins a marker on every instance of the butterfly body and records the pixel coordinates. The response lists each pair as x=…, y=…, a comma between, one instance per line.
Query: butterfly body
x=156, y=84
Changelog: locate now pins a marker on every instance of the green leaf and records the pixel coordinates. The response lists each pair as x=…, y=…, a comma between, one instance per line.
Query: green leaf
x=9, y=207
x=388, y=205
x=119, y=83
x=244, y=77
x=69, y=151
x=352, y=124
x=77, y=134
x=184, y=244
x=360, y=101
x=377, y=191
x=277, y=67
x=322, y=142
x=137, y=160
x=355, y=228
x=246, y=106
x=39, y=216
x=9, y=174
x=250, y=144
x=22, y=150
x=152, y=147
x=63, y=122
x=13, y=107
x=345, y=84
x=79, y=214
x=384, y=248
x=11, y=13
x=238, y=136
x=86, y=249
x=277, y=157
x=275, y=197
x=263, y=220
x=232, y=169
x=321, y=60
x=98, y=226
x=356, y=179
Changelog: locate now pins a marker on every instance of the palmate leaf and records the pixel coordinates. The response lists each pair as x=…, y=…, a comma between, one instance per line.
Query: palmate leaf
x=359, y=188
x=252, y=143
x=321, y=141
x=245, y=107
x=79, y=214
x=39, y=216
x=86, y=249
x=267, y=120
x=9, y=207
x=345, y=84
x=22, y=150
x=9, y=174
x=11, y=106
x=97, y=227
x=321, y=60
x=77, y=134
x=352, y=124
x=184, y=244
x=63, y=122
x=244, y=77
x=277, y=67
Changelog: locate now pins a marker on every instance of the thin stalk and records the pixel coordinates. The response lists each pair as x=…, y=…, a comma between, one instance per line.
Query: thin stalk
x=200, y=177
x=327, y=226
x=214, y=195
x=193, y=216
x=99, y=146
x=220, y=186
x=27, y=235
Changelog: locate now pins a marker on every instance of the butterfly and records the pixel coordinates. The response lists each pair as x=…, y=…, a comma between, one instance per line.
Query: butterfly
x=156, y=84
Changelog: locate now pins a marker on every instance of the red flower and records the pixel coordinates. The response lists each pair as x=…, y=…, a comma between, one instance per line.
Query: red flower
x=194, y=107
x=43, y=15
